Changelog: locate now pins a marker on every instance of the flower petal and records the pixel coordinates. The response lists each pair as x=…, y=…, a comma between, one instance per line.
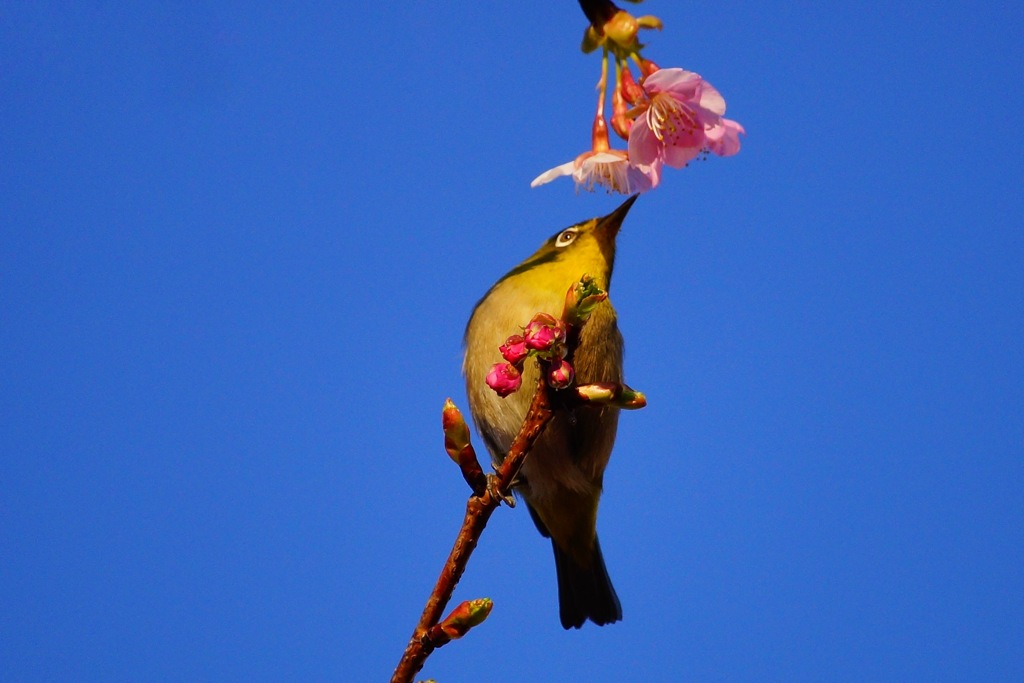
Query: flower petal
x=644, y=147
x=651, y=174
x=727, y=142
x=710, y=99
x=613, y=170
x=556, y=172
x=682, y=84
x=677, y=157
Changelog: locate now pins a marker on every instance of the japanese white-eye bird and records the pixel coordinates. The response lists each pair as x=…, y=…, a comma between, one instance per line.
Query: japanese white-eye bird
x=562, y=476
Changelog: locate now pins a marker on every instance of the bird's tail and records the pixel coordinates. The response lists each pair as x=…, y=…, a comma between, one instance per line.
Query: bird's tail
x=585, y=593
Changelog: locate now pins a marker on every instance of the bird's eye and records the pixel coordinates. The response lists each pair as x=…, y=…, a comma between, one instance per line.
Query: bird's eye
x=566, y=237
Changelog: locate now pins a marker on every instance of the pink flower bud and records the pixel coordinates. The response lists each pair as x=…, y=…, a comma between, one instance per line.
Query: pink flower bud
x=648, y=67
x=631, y=92
x=621, y=122
x=514, y=349
x=504, y=378
x=543, y=332
x=560, y=374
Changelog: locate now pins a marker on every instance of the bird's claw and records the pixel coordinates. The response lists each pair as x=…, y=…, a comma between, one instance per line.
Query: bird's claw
x=492, y=488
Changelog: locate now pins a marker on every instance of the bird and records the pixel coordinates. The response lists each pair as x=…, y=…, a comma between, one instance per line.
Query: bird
x=562, y=477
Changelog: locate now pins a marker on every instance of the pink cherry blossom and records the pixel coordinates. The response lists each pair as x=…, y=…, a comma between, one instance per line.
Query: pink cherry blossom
x=504, y=378
x=681, y=116
x=611, y=169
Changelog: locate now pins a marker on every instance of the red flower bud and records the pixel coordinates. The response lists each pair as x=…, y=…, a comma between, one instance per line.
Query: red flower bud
x=621, y=122
x=543, y=332
x=504, y=378
x=560, y=374
x=631, y=92
x=514, y=349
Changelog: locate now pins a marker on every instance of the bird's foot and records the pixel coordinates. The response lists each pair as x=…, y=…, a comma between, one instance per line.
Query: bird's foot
x=492, y=487
x=518, y=480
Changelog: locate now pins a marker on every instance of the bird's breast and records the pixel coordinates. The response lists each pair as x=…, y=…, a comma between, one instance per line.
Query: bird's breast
x=574, y=448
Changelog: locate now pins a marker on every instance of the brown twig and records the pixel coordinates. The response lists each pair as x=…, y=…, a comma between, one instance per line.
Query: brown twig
x=598, y=11
x=478, y=511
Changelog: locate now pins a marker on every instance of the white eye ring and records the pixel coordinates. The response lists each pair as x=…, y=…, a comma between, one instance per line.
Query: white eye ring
x=566, y=237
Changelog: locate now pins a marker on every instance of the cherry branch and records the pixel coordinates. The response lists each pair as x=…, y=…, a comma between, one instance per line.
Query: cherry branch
x=479, y=508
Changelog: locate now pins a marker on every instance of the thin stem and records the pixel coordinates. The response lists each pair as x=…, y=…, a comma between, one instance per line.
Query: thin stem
x=599, y=132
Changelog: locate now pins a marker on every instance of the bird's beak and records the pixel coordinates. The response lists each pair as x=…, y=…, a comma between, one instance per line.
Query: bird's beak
x=606, y=230
x=608, y=227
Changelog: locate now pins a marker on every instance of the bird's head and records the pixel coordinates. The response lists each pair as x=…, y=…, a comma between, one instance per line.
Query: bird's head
x=585, y=248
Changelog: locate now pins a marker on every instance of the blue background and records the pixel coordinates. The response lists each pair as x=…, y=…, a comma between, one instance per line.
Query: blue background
x=239, y=247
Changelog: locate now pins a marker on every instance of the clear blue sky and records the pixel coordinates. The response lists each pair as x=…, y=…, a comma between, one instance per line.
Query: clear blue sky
x=240, y=244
